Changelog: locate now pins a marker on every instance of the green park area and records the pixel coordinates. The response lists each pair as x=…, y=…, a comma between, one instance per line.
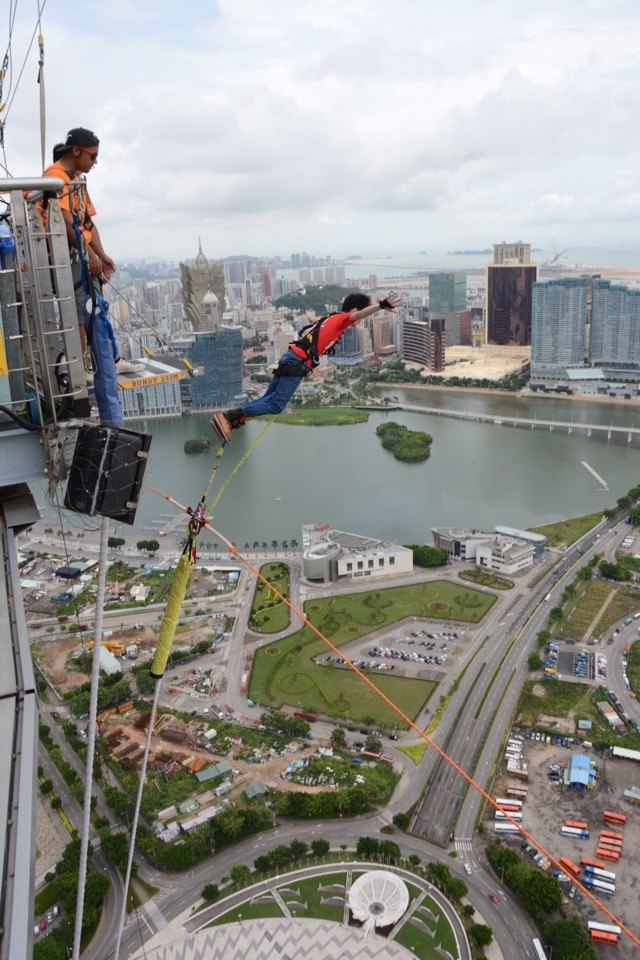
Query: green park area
x=287, y=672
x=269, y=614
x=323, y=416
x=566, y=532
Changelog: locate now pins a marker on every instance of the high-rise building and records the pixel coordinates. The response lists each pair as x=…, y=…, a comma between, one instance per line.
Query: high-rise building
x=509, y=304
x=447, y=300
x=558, y=326
x=511, y=254
x=615, y=325
x=219, y=354
x=382, y=333
x=424, y=341
x=197, y=278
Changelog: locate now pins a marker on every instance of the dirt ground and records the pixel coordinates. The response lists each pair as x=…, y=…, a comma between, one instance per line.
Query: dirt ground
x=50, y=838
x=548, y=806
x=267, y=771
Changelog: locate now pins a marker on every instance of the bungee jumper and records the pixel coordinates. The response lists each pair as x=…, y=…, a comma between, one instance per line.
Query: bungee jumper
x=317, y=338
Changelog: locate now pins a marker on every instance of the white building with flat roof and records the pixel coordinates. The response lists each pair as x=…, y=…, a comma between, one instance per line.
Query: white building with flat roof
x=329, y=554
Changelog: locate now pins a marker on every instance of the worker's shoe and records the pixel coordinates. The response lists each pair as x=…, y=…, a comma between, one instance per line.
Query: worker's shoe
x=128, y=366
x=222, y=427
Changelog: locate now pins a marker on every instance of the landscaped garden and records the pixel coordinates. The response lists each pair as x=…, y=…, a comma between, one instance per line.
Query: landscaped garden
x=269, y=614
x=286, y=672
x=323, y=898
x=486, y=579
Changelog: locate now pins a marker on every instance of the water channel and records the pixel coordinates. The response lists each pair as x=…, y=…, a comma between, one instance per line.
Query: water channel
x=478, y=475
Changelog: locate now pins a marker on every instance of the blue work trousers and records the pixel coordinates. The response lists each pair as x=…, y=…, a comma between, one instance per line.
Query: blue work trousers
x=101, y=343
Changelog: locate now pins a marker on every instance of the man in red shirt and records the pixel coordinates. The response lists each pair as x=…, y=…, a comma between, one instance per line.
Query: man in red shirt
x=299, y=360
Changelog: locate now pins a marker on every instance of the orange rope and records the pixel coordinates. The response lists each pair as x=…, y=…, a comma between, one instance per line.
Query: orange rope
x=234, y=552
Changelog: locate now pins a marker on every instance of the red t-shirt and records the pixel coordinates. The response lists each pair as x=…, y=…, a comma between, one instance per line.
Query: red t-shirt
x=330, y=332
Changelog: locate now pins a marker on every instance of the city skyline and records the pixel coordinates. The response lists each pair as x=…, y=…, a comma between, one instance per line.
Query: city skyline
x=355, y=128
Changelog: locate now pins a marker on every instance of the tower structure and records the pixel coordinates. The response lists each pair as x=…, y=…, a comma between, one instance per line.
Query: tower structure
x=197, y=279
x=509, y=303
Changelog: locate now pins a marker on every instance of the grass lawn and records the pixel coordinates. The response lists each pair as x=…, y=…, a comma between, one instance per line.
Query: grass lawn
x=323, y=416
x=566, y=532
x=412, y=936
x=250, y=911
x=286, y=672
x=415, y=751
x=310, y=894
x=268, y=613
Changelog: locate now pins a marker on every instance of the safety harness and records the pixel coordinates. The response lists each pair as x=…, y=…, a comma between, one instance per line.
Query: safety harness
x=308, y=342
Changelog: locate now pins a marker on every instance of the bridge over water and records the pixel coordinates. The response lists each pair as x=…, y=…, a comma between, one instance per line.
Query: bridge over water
x=502, y=420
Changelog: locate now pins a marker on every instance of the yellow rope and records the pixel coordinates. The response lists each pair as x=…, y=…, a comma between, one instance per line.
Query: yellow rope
x=240, y=463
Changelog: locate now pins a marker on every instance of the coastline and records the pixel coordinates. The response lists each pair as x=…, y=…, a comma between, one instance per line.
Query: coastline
x=492, y=391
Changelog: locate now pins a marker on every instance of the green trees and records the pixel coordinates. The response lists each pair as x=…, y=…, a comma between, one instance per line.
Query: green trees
x=538, y=893
x=410, y=446
x=568, y=940
x=480, y=935
x=148, y=546
x=424, y=556
x=210, y=892
x=114, y=543
x=534, y=662
x=373, y=743
x=338, y=738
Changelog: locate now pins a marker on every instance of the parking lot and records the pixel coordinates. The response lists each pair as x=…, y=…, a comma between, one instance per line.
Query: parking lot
x=407, y=650
x=549, y=803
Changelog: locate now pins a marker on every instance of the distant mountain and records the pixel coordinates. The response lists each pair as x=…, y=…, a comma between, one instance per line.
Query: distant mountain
x=466, y=253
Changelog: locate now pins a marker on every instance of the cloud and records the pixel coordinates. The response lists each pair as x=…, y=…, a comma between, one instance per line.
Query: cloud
x=269, y=122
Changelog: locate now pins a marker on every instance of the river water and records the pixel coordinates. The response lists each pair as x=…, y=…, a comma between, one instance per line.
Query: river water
x=478, y=475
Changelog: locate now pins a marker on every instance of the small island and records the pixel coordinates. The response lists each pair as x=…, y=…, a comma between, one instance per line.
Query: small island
x=197, y=445
x=410, y=446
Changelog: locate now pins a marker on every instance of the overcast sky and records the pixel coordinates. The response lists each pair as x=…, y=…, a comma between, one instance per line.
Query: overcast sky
x=341, y=126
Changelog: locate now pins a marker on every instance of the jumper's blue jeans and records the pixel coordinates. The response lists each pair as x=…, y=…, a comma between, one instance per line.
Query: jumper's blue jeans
x=280, y=390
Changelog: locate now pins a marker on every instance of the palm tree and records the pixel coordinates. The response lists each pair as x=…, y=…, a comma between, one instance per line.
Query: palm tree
x=285, y=544
x=256, y=544
x=274, y=544
x=293, y=544
x=247, y=546
x=264, y=544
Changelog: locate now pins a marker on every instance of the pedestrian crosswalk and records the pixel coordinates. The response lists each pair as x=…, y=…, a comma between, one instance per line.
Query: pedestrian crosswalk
x=155, y=914
x=463, y=845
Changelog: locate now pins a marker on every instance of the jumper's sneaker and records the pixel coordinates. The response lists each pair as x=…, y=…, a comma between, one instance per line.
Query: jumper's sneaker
x=127, y=366
x=221, y=427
